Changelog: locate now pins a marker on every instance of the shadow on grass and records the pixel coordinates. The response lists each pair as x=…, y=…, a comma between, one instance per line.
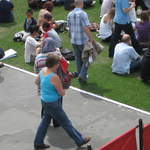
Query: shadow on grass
x=94, y=88
x=132, y=75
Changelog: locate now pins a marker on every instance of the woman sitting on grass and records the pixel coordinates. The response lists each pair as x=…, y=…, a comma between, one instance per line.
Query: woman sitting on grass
x=47, y=9
x=106, y=26
x=143, y=29
x=48, y=46
x=31, y=45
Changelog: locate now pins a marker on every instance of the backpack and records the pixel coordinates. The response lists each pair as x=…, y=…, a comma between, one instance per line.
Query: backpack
x=18, y=36
x=69, y=4
x=58, y=2
x=64, y=74
x=87, y=3
x=34, y=4
x=62, y=26
x=68, y=54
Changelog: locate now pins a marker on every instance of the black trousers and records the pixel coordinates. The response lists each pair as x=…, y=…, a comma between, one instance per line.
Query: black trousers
x=128, y=29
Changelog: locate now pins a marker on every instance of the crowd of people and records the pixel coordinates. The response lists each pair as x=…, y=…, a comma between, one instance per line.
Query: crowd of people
x=121, y=26
x=127, y=29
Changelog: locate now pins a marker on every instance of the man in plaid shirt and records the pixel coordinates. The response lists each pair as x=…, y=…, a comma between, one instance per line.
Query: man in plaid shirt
x=78, y=24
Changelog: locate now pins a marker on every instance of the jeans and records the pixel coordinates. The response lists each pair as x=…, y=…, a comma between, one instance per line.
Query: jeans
x=54, y=109
x=135, y=65
x=128, y=29
x=82, y=67
x=55, y=123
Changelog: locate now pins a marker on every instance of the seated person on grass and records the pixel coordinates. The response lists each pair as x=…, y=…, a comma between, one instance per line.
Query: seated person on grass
x=106, y=26
x=54, y=24
x=48, y=18
x=50, y=32
x=29, y=21
x=31, y=45
x=126, y=59
x=47, y=9
x=145, y=66
x=6, y=11
x=143, y=29
x=49, y=45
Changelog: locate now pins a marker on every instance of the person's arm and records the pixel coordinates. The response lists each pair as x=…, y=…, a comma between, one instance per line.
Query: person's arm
x=134, y=55
x=24, y=26
x=58, y=85
x=88, y=33
x=126, y=10
x=85, y=23
x=37, y=80
x=35, y=43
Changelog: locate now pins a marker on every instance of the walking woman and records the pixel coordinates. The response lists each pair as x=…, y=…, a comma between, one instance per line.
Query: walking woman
x=51, y=93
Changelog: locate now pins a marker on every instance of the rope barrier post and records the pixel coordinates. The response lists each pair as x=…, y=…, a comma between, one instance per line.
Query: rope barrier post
x=141, y=133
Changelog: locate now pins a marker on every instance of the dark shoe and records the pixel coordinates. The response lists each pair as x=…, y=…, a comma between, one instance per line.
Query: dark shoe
x=1, y=65
x=74, y=74
x=82, y=80
x=86, y=140
x=43, y=146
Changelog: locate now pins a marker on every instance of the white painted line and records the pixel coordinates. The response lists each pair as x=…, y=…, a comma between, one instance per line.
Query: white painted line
x=88, y=93
x=18, y=69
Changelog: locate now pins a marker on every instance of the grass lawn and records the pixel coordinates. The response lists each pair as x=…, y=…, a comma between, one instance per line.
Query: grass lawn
x=129, y=90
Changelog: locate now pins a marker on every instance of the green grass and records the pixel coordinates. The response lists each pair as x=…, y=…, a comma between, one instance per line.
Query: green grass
x=129, y=90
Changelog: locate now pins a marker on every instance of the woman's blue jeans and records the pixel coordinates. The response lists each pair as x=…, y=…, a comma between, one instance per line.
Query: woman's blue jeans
x=54, y=109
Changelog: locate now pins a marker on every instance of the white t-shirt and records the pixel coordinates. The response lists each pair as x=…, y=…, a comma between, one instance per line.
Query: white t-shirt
x=30, y=47
x=123, y=56
x=132, y=15
x=105, y=29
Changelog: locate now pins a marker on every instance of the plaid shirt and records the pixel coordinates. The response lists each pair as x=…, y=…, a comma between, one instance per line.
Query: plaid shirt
x=77, y=20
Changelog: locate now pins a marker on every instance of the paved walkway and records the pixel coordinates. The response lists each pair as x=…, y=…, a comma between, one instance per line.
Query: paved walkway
x=20, y=115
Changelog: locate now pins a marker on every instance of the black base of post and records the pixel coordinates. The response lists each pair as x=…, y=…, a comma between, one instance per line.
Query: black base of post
x=141, y=133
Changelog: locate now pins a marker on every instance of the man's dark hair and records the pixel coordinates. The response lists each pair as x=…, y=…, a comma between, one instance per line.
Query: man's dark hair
x=46, y=25
x=52, y=60
x=33, y=28
x=48, y=17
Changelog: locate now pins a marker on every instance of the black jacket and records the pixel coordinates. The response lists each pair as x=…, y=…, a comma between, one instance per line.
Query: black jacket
x=6, y=14
x=145, y=66
x=26, y=27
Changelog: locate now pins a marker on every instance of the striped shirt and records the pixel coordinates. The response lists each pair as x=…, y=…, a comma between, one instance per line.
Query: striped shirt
x=77, y=20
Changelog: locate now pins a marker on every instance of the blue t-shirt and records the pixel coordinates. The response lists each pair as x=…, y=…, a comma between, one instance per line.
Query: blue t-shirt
x=120, y=16
x=47, y=90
